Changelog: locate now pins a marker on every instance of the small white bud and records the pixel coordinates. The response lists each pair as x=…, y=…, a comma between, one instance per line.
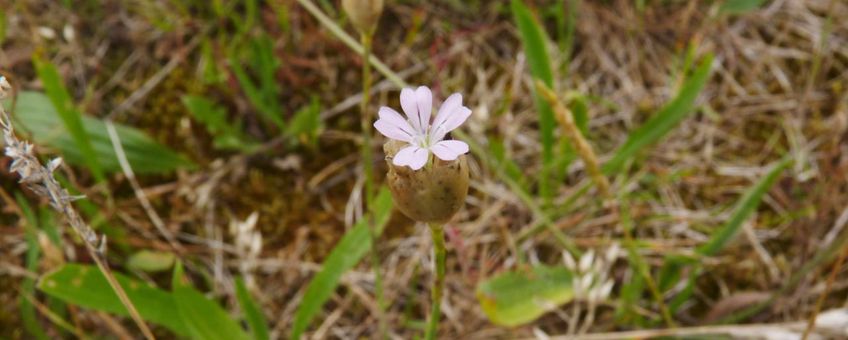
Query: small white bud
x=605, y=289
x=612, y=253
x=586, y=261
x=569, y=261
x=54, y=164
x=68, y=32
x=47, y=32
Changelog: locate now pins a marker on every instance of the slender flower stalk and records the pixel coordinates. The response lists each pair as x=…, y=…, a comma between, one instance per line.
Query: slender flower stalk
x=40, y=180
x=438, y=234
x=364, y=15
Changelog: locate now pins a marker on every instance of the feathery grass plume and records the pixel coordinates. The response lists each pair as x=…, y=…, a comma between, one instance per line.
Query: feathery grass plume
x=427, y=189
x=40, y=180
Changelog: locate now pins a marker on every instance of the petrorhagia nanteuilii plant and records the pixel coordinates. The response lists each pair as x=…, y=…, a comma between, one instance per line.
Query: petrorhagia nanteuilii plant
x=427, y=189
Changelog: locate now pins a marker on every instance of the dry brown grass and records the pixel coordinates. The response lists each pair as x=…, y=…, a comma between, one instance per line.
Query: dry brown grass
x=778, y=87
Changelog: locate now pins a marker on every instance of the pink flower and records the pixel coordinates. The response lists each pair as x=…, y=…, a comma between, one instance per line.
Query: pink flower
x=423, y=136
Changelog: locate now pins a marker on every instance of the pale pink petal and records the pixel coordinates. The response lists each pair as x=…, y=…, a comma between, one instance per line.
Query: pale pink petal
x=392, y=131
x=452, y=121
x=411, y=156
x=451, y=104
x=424, y=99
x=449, y=150
x=409, y=104
x=392, y=125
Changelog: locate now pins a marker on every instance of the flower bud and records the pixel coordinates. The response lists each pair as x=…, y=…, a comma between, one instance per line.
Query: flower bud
x=363, y=14
x=433, y=193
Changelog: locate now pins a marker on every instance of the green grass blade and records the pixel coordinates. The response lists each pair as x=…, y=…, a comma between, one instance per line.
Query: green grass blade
x=85, y=286
x=746, y=205
x=252, y=312
x=535, y=41
x=204, y=318
x=71, y=117
x=226, y=135
x=28, y=314
x=346, y=254
x=733, y=7
x=306, y=124
x=664, y=121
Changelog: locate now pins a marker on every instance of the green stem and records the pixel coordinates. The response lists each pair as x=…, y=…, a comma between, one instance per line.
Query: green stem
x=367, y=153
x=438, y=233
x=368, y=170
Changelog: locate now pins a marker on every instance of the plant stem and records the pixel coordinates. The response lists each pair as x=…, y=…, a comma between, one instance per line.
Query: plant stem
x=368, y=159
x=438, y=233
x=811, y=323
x=368, y=170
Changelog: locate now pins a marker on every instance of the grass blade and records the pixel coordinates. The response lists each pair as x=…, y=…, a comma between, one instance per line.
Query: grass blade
x=732, y=7
x=28, y=315
x=204, y=318
x=71, y=117
x=347, y=253
x=746, y=205
x=86, y=286
x=535, y=40
x=252, y=312
x=664, y=121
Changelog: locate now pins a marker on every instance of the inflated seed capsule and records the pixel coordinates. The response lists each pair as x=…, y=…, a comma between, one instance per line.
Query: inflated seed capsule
x=433, y=193
x=363, y=14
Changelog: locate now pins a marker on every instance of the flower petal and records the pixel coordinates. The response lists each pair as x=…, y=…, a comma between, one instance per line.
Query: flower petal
x=392, y=125
x=409, y=104
x=411, y=156
x=451, y=104
x=452, y=121
x=424, y=99
x=449, y=150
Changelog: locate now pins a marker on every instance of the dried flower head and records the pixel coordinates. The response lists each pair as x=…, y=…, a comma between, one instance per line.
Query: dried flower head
x=423, y=136
x=364, y=14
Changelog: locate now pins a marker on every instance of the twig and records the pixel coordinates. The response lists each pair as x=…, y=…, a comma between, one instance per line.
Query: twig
x=349, y=41
x=139, y=193
x=40, y=180
x=830, y=279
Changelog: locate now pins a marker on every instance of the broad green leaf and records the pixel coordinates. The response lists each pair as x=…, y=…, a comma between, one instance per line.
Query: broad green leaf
x=36, y=116
x=518, y=297
x=86, y=287
x=226, y=135
x=204, y=318
x=744, y=207
x=346, y=254
x=740, y=6
x=70, y=116
x=151, y=261
x=252, y=312
x=664, y=121
x=535, y=42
